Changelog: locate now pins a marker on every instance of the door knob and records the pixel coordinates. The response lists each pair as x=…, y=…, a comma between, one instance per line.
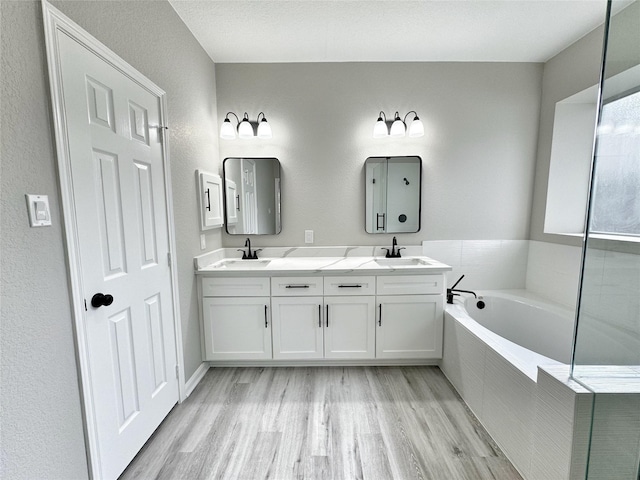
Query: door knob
x=100, y=300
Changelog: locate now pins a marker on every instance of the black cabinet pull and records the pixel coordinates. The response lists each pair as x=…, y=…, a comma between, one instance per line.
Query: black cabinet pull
x=297, y=286
x=208, y=201
x=380, y=315
x=319, y=316
x=327, y=319
x=266, y=320
x=238, y=202
x=354, y=285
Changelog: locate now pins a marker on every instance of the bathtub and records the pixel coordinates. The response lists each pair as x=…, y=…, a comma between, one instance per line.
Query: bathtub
x=491, y=356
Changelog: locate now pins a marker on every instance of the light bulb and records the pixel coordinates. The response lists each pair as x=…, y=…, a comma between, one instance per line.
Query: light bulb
x=416, y=129
x=397, y=127
x=264, y=129
x=380, y=129
x=227, y=131
x=245, y=130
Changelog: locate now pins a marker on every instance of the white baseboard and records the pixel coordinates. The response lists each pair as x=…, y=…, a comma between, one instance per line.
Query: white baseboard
x=193, y=382
x=325, y=363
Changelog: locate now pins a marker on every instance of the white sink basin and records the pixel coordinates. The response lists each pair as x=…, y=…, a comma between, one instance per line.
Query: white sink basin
x=400, y=262
x=243, y=264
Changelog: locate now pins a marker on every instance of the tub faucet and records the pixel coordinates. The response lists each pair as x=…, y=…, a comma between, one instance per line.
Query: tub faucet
x=453, y=288
x=394, y=252
x=248, y=254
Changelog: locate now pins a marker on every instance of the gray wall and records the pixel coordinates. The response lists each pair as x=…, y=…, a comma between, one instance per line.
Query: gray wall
x=42, y=434
x=571, y=71
x=481, y=122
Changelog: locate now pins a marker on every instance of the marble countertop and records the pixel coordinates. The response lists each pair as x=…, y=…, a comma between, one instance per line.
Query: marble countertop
x=315, y=261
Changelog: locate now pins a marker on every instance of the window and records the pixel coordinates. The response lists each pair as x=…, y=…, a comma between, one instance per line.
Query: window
x=616, y=197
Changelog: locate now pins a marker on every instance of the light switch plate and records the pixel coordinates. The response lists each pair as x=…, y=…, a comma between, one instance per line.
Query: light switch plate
x=308, y=236
x=39, y=211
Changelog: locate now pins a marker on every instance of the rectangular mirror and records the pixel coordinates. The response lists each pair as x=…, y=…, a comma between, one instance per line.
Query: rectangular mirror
x=393, y=191
x=252, y=196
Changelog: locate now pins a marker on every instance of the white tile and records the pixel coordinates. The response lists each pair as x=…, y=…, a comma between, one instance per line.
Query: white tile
x=615, y=438
x=445, y=251
x=508, y=409
x=553, y=271
x=553, y=429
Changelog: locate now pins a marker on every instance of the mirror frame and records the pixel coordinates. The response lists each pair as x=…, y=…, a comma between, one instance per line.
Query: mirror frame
x=224, y=188
x=389, y=157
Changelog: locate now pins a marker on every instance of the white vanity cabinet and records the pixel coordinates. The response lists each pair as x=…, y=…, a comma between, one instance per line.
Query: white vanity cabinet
x=340, y=326
x=236, y=318
x=409, y=316
x=298, y=318
x=350, y=327
x=312, y=317
x=298, y=328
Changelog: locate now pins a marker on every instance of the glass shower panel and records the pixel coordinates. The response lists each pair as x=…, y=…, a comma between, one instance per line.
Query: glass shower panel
x=606, y=357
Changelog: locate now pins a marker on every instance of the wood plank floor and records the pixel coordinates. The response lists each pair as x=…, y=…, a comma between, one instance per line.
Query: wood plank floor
x=322, y=423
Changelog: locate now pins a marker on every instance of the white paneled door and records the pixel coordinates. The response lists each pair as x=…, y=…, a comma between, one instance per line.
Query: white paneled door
x=119, y=200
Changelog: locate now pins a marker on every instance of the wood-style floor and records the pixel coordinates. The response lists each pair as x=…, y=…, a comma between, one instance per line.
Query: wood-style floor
x=337, y=423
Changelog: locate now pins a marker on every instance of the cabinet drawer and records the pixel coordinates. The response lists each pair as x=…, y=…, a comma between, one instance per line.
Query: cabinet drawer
x=410, y=284
x=349, y=285
x=296, y=286
x=235, y=287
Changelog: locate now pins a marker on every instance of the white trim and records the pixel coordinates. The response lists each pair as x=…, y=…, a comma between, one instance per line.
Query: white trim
x=54, y=22
x=326, y=362
x=198, y=375
x=173, y=251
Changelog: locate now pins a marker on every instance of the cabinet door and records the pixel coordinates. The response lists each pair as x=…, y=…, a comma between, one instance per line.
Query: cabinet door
x=349, y=327
x=297, y=327
x=237, y=328
x=232, y=202
x=409, y=326
x=212, y=215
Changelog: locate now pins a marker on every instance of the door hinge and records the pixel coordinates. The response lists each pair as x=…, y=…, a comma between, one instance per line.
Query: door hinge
x=161, y=131
x=169, y=259
x=177, y=371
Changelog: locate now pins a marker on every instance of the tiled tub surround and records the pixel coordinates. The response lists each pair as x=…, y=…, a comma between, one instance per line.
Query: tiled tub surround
x=498, y=379
x=547, y=269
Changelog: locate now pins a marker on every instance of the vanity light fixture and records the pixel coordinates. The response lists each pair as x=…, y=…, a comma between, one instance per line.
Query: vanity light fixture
x=380, y=129
x=244, y=127
x=398, y=127
x=264, y=129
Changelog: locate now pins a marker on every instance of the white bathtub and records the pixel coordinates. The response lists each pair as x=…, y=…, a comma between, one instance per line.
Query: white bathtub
x=540, y=327
x=491, y=356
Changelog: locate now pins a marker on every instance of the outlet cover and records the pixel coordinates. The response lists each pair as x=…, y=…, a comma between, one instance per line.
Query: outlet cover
x=308, y=236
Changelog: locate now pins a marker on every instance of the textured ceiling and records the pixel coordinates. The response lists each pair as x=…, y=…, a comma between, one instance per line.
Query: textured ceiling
x=388, y=30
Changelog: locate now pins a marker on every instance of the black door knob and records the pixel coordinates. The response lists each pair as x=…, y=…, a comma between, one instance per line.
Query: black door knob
x=101, y=300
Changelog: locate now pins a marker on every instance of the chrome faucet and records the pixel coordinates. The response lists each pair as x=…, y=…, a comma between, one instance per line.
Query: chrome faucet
x=248, y=254
x=394, y=252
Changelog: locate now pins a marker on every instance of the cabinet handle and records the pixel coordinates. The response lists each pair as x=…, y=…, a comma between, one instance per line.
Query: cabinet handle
x=327, y=316
x=238, y=202
x=354, y=285
x=266, y=318
x=380, y=315
x=208, y=201
x=297, y=286
x=319, y=316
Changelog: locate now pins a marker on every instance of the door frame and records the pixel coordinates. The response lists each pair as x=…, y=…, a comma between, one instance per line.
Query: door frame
x=55, y=21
